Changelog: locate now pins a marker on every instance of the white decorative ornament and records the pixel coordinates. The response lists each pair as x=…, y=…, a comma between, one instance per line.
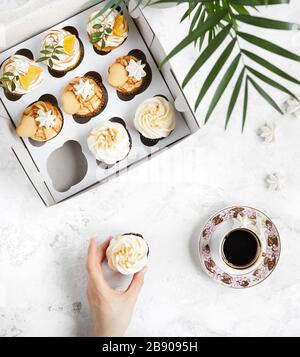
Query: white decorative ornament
x=291, y=107
x=267, y=132
x=136, y=69
x=46, y=119
x=84, y=88
x=274, y=182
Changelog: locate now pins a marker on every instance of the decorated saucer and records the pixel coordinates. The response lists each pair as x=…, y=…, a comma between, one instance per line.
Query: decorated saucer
x=212, y=237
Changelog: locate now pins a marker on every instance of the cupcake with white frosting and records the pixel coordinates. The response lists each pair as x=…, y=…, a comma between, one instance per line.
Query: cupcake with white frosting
x=127, y=253
x=62, y=51
x=109, y=142
x=154, y=119
x=127, y=74
x=41, y=121
x=84, y=97
x=108, y=30
x=20, y=75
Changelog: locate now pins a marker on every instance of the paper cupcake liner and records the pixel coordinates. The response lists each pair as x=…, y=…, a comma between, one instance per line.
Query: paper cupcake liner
x=127, y=96
x=152, y=142
x=51, y=99
x=149, y=142
x=59, y=74
x=82, y=119
x=103, y=164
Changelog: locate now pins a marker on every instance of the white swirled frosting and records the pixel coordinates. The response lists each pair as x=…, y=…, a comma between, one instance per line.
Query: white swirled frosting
x=155, y=118
x=127, y=254
x=109, y=142
x=107, y=20
x=19, y=66
x=66, y=61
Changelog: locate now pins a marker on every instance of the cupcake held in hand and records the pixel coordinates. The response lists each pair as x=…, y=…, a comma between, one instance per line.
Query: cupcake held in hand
x=41, y=121
x=84, y=97
x=61, y=51
x=108, y=30
x=155, y=120
x=127, y=253
x=109, y=142
x=127, y=74
x=20, y=75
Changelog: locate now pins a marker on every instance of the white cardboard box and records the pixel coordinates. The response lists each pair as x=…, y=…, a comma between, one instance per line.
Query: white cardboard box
x=68, y=169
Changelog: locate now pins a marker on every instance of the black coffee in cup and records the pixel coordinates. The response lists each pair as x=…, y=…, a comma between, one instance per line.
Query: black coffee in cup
x=240, y=248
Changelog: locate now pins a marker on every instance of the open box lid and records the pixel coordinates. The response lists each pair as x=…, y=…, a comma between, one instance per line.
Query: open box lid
x=155, y=48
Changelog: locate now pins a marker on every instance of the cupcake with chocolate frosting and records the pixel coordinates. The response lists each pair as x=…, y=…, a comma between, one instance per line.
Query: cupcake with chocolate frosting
x=62, y=51
x=107, y=31
x=127, y=253
x=155, y=120
x=41, y=121
x=109, y=142
x=84, y=97
x=20, y=75
x=127, y=74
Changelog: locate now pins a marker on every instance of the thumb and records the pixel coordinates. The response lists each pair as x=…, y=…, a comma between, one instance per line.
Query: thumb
x=136, y=284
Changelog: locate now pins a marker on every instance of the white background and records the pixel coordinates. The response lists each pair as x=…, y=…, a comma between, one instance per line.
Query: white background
x=43, y=250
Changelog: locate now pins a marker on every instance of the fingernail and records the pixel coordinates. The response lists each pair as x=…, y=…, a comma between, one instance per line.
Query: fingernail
x=145, y=270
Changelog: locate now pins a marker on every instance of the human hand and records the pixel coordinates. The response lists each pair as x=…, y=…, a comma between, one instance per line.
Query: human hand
x=111, y=309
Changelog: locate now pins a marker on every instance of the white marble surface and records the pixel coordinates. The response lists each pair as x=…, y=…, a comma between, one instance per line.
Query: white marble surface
x=42, y=250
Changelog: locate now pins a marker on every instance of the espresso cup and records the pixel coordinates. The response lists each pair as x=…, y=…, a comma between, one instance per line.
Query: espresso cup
x=240, y=248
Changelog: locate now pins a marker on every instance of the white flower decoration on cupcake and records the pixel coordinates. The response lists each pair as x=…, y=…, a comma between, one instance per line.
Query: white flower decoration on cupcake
x=135, y=69
x=45, y=119
x=84, y=88
x=267, y=132
x=274, y=181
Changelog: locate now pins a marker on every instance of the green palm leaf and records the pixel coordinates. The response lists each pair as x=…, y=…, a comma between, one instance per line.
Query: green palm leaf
x=234, y=96
x=222, y=86
x=265, y=95
x=271, y=82
x=271, y=67
x=267, y=23
x=209, y=23
x=245, y=104
x=205, y=55
x=259, y=2
x=269, y=46
x=215, y=71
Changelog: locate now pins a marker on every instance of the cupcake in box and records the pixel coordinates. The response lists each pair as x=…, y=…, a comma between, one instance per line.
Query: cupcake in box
x=110, y=142
x=84, y=97
x=40, y=121
x=155, y=120
x=127, y=253
x=127, y=74
x=19, y=75
x=108, y=30
x=62, y=51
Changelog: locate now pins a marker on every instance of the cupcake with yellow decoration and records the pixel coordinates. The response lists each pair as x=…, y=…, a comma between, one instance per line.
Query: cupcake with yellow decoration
x=19, y=75
x=40, y=121
x=107, y=30
x=84, y=97
x=62, y=51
